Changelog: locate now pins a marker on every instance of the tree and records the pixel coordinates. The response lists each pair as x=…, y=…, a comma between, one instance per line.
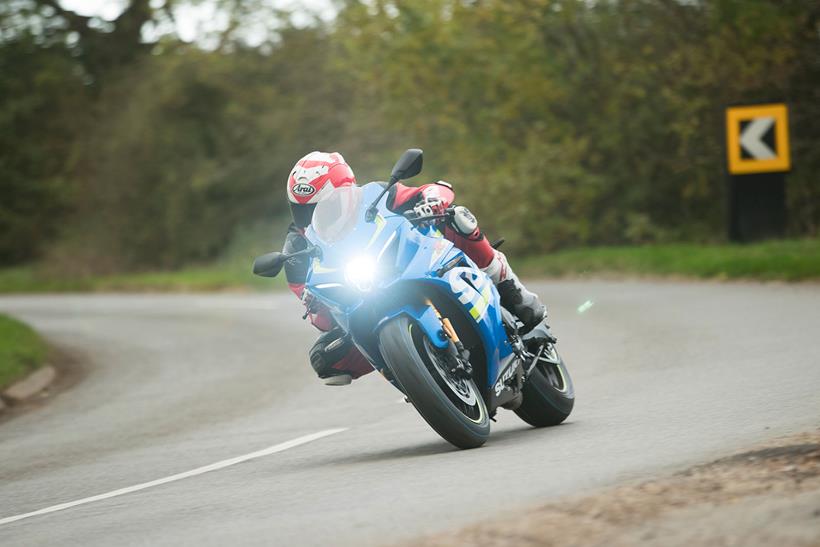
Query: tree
x=42, y=103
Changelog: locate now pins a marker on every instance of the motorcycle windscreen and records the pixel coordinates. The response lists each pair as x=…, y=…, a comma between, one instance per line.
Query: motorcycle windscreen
x=337, y=215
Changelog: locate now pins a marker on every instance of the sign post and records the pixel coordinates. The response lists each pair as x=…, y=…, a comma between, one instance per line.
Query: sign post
x=758, y=158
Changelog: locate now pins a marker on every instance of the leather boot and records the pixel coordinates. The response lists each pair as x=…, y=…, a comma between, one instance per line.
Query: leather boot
x=515, y=297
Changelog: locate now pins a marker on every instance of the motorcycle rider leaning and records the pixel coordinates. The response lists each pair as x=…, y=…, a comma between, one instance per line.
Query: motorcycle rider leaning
x=314, y=177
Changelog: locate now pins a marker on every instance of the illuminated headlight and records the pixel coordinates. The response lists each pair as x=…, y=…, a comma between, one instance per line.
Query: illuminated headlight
x=361, y=272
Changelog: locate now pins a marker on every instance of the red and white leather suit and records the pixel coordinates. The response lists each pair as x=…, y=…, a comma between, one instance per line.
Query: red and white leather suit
x=400, y=198
x=314, y=178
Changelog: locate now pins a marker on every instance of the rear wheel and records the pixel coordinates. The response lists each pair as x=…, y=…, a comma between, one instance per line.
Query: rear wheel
x=548, y=394
x=452, y=406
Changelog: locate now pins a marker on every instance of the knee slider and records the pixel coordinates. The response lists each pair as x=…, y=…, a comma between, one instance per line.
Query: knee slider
x=329, y=349
x=464, y=222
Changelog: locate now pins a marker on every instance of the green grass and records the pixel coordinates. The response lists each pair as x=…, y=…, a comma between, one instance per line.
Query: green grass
x=219, y=276
x=787, y=260
x=231, y=271
x=21, y=350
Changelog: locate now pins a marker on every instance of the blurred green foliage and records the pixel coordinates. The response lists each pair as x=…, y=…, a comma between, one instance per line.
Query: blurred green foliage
x=560, y=122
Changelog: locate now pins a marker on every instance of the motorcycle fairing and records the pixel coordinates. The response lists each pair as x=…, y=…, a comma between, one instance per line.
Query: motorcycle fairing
x=407, y=259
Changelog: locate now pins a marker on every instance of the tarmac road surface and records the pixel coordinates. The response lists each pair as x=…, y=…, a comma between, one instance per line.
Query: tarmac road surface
x=667, y=374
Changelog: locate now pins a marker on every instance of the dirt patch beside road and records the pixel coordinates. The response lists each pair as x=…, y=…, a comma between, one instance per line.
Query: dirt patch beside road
x=763, y=497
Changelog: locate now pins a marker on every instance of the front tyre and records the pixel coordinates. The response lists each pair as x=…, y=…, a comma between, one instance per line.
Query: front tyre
x=548, y=394
x=452, y=406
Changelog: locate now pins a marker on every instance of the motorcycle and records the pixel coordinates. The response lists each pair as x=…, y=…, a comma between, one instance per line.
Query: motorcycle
x=425, y=316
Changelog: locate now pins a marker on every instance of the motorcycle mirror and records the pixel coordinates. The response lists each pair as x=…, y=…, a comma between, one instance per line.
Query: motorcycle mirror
x=269, y=265
x=409, y=165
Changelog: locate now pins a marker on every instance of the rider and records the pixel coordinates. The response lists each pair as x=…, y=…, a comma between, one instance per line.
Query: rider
x=314, y=177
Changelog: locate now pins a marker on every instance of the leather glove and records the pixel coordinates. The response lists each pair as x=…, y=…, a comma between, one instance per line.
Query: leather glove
x=429, y=206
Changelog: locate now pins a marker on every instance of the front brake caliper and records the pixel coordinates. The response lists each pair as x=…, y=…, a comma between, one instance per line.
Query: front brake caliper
x=459, y=366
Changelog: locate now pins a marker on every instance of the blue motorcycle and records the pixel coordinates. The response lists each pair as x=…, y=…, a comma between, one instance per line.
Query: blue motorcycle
x=425, y=316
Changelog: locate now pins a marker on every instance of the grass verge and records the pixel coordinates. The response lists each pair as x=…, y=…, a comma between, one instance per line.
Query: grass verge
x=21, y=350
x=787, y=260
x=219, y=276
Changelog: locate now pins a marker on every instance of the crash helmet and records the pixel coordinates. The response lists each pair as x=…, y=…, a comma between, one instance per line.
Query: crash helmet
x=314, y=178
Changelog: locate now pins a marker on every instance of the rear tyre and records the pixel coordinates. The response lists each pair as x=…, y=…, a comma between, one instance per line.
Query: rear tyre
x=452, y=406
x=548, y=394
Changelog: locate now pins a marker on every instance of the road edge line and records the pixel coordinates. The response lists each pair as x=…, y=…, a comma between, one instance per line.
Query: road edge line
x=178, y=476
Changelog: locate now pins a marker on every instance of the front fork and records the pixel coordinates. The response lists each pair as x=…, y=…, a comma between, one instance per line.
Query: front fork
x=459, y=357
x=506, y=391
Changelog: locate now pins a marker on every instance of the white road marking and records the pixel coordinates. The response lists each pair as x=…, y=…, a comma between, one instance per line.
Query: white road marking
x=179, y=476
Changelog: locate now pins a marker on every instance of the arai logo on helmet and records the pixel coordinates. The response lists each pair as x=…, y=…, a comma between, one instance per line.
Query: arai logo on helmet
x=303, y=189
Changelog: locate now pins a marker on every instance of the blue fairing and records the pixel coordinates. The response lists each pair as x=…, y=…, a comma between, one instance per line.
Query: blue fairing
x=405, y=264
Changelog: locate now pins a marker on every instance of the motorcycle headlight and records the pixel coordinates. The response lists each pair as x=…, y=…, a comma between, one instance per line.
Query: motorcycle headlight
x=361, y=272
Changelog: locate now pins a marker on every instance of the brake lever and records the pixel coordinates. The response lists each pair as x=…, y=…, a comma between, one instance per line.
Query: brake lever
x=428, y=218
x=309, y=301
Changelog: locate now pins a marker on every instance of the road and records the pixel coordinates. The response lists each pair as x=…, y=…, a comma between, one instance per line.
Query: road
x=667, y=374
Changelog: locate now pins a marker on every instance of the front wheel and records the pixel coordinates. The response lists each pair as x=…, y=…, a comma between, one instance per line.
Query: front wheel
x=452, y=406
x=548, y=394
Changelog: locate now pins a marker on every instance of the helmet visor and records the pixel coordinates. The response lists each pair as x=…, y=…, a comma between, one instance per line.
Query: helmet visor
x=336, y=216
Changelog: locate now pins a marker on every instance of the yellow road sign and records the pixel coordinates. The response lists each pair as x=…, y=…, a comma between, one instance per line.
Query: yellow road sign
x=757, y=139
